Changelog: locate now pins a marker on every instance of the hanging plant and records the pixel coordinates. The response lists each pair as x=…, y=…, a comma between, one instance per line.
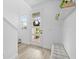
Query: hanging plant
x=66, y=3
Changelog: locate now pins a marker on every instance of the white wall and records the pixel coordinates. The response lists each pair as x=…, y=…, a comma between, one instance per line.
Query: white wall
x=10, y=40
x=69, y=35
x=52, y=31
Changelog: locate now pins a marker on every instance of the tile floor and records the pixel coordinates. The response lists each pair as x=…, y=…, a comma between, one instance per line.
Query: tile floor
x=35, y=52
x=32, y=52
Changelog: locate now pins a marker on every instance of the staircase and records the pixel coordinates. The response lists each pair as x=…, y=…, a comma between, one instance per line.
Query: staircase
x=58, y=52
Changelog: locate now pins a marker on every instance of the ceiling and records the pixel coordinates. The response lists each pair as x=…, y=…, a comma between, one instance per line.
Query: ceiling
x=34, y=2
